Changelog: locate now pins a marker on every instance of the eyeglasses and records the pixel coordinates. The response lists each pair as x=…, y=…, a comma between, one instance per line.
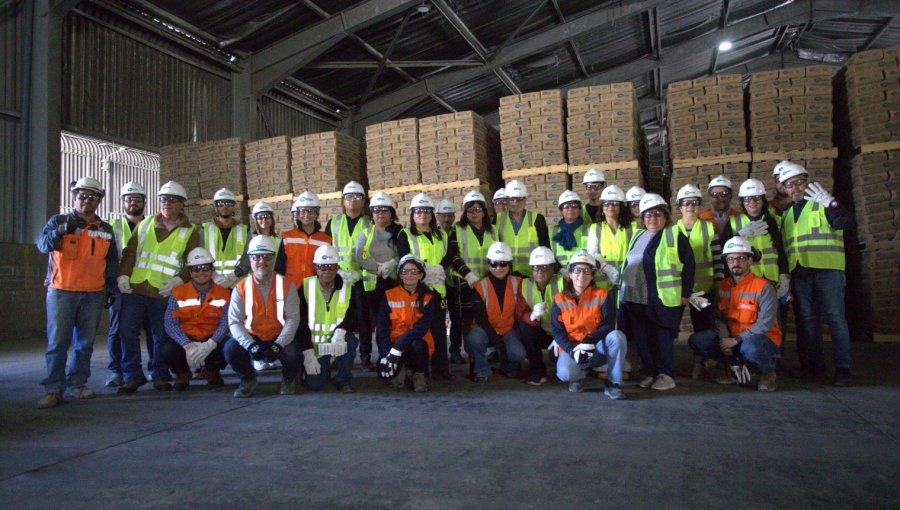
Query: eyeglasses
x=133, y=200
x=327, y=267
x=795, y=183
x=263, y=216
x=225, y=203
x=421, y=210
x=306, y=210
x=594, y=186
x=356, y=197
x=380, y=210
x=609, y=203
x=167, y=199
x=475, y=209
x=406, y=272
x=720, y=194
x=261, y=257
x=737, y=258
x=501, y=202
x=497, y=264
x=581, y=270
x=571, y=205
x=203, y=268
x=690, y=203
x=751, y=199
x=88, y=197
x=517, y=199
x=654, y=214
x=543, y=267
x=634, y=203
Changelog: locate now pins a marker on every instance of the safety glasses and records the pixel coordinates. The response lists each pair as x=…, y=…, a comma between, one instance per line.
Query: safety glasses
x=202, y=268
x=497, y=264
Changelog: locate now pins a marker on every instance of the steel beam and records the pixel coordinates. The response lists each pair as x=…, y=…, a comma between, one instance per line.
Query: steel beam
x=394, y=64
x=384, y=59
x=871, y=42
x=653, y=30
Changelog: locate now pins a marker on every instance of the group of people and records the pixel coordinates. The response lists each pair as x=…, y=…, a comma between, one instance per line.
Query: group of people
x=615, y=268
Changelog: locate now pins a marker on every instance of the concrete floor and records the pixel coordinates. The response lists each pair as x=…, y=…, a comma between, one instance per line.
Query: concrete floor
x=499, y=445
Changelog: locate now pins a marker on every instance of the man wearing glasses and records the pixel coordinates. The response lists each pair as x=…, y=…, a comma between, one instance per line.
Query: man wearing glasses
x=521, y=230
x=719, y=189
x=812, y=229
x=152, y=265
x=594, y=181
x=80, y=281
x=226, y=239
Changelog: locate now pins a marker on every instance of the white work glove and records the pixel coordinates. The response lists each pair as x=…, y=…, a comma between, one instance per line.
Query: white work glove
x=472, y=278
x=386, y=269
x=612, y=274
x=225, y=280
x=583, y=352
x=338, y=342
x=784, y=285
x=434, y=275
x=538, y=311
x=816, y=193
x=697, y=301
x=191, y=351
x=167, y=286
x=564, y=273
x=350, y=276
x=124, y=283
x=753, y=229
x=311, y=362
x=740, y=373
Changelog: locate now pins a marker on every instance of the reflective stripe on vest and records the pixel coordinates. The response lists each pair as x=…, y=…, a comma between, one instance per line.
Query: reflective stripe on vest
x=324, y=319
x=429, y=252
x=767, y=267
x=562, y=254
x=157, y=262
x=370, y=279
x=533, y=296
x=345, y=241
x=507, y=316
x=700, y=239
x=473, y=253
x=122, y=232
x=199, y=320
x=743, y=312
x=248, y=300
x=404, y=314
x=668, y=267
x=583, y=317
x=227, y=256
x=522, y=243
x=811, y=241
x=613, y=247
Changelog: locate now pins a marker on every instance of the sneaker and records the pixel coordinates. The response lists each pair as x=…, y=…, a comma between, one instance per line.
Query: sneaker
x=345, y=387
x=536, y=380
x=49, y=400
x=699, y=371
x=213, y=377
x=288, y=387
x=114, y=380
x=646, y=382
x=130, y=387
x=419, y=383
x=245, y=389
x=767, y=382
x=398, y=382
x=841, y=377
x=663, y=382
x=162, y=386
x=614, y=392
x=576, y=387
x=81, y=393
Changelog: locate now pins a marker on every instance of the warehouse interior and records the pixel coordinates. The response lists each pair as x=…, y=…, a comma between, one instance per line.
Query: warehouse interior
x=248, y=95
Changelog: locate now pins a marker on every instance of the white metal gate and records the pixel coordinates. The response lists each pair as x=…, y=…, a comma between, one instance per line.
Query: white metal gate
x=113, y=164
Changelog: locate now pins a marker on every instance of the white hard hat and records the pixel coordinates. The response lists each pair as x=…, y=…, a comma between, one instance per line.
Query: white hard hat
x=737, y=244
x=262, y=207
x=410, y=258
x=89, y=183
x=421, y=200
x=199, y=256
x=688, y=191
x=325, y=254
x=593, y=175
x=568, y=196
x=174, y=189
x=789, y=170
x=651, y=200
x=541, y=256
x=445, y=207
x=353, y=187
x=261, y=245
x=381, y=199
x=132, y=188
x=613, y=193
x=720, y=180
x=582, y=257
x=306, y=199
x=752, y=188
x=516, y=189
x=473, y=196
x=224, y=194
x=500, y=194
x=635, y=193
x=499, y=252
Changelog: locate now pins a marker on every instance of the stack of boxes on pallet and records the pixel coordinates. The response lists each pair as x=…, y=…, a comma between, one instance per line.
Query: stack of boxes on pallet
x=323, y=163
x=392, y=154
x=268, y=165
x=532, y=133
x=457, y=147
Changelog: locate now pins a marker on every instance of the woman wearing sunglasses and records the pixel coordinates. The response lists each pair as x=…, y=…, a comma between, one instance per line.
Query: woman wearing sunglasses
x=609, y=236
x=657, y=280
x=262, y=222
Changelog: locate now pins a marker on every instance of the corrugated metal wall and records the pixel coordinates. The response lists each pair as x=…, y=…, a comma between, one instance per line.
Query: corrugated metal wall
x=281, y=117
x=12, y=37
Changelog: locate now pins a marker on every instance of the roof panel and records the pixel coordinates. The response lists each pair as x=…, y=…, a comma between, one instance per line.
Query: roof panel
x=425, y=37
x=493, y=21
x=686, y=19
x=481, y=95
x=549, y=69
x=615, y=44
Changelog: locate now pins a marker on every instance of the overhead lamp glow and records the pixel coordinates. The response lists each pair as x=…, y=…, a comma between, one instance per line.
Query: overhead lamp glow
x=725, y=45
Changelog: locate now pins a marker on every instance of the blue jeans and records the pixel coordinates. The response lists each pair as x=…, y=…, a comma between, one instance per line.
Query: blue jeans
x=757, y=349
x=344, y=363
x=114, y=341
x=612, y=349
x=477, y=343
x=655, y=343
x=70, y=314
x=136, y=311
x=822, y=291
x=239, y=359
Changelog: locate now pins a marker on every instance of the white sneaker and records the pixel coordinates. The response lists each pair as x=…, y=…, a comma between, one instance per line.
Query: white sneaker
x=81, y=393
x=663, y=382
x=646, y=382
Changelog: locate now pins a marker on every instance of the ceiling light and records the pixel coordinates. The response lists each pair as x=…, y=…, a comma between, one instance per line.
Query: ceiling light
x=725, y=45
x=423, y=9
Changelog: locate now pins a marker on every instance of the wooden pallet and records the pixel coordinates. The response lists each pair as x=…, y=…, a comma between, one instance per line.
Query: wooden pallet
x=879, y=147
x=829, y=153
x=272, y=200
x=743, y=157
x=604, y=167
x=399, y=190
x=539, y=170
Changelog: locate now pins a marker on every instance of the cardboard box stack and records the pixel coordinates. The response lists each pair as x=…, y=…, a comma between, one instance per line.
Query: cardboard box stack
x=602, y=124
x=820, y=170
x=532, y=133
x=325, y=162
x=544, y=190
x=179, y=163
x=701, y=175
x=392, y=154
x=706, y=117
x=872, y=80
x=268, y=168
x=458, y=147
x=790, y=109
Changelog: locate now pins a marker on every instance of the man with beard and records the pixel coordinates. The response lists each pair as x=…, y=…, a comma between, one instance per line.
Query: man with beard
x=225, y=238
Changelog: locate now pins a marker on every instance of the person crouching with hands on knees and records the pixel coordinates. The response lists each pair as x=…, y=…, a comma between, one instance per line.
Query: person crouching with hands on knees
x=403, y=327
x=197, y=324
x=583, y=322
x=746, y=327
x=263, y=316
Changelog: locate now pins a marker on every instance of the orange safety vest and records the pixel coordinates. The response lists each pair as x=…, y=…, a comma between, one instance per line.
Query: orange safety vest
x=739, y=304
x=79, y=265
x=299, y=248
x=264, y=320
x=709, y=216
x=501, y=320
x=197, y=319
x=582, y=317
x=405, y=315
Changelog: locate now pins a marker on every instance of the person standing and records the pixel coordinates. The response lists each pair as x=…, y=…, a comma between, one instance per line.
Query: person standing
x=708, y=269
x=298, y=245
x=720, y=194
x=594, y=183
x=80, y=281
x=609, y=236
x=633, y=197
x=225, y=238
x=521, y=230
x=500, y=202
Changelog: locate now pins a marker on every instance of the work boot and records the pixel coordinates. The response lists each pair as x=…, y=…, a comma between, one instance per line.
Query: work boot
x=162, y=386
x=457, y=359
x=114, y=380
x=213, y=377
x=245, y=389
x=399, y=380
x=49, y=400
x=81, y=393
x=419, y=383
x=183, y=381
x=288, y=387
x=699, y=371
x=130, y=387
x=767, y=382
x=841, y=377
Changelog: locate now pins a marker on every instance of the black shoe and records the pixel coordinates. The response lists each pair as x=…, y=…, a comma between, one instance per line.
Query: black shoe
x=345, y=387
x=182, y=386
x=457, y=359
x=366, y=364
x=841, y=377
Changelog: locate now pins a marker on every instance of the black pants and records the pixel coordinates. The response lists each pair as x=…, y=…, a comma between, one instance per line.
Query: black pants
x=534, y=338
x=701, y=320
x=364, y=325
x=459, y=303
x=440, y=361
x=173, y=353
x=415, y=357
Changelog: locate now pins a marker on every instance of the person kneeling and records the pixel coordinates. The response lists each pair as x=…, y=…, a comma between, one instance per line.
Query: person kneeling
x=197, y=324
x=582, y=319
x=746, y=327
x=403, y=327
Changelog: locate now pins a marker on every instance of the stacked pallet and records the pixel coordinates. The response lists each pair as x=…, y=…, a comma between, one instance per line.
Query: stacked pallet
x=179, y=163
x=876, y=193
x=544, y=186
x=532, y=133
x=820, y=170
x=458, y=147
x=790, y=109
x=700, y=175
x=602, y=124
x=392, y=154
x=872, y=80
x=268, y=167
x=706, y=117
x=325, y=162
